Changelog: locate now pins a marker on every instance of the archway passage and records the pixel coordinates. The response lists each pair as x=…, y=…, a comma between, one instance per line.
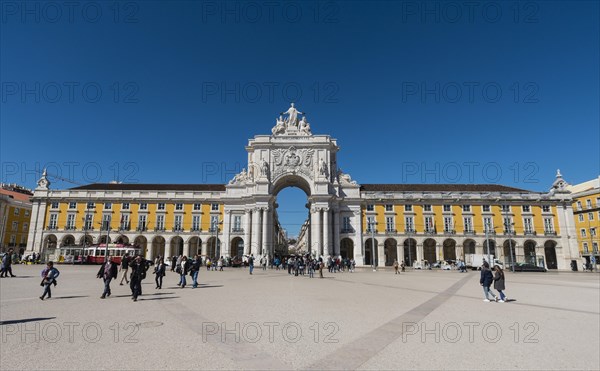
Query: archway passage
x=290, y=219
x=213, y=250
x=68, y=240
x=102, y=239
x=449, y=249
x=86, y=240
x=390, y=251
x=469, y=246
x=123, y=240
x=429, y=250
x=158, y=247
x=195, y=246
x=529, y=252
x=370, y=253
x=236, y=248
x=492, y=248
x=410, y=251
x=347, y=248
x=509, y=248
x=142, y=243
x=177, y=246
x=550, y=252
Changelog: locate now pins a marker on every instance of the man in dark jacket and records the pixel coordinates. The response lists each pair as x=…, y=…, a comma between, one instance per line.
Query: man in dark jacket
x=107, y=272
x=7, y=264
x=486, y=281
x=194, y=269
x=138, y=273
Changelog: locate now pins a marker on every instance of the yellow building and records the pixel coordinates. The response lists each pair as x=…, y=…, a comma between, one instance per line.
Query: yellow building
x=586, y=211
x=15, y=215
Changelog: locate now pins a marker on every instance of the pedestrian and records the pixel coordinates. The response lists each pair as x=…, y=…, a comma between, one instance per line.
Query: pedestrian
x=173, y=263
x=263, y=263
x=311, y=268
x=195, y=269
x=321, y=266
x=396, y=266
x=160, y=270
x=251, y=263
x=49, y=275
x=7, y=261
x=138, y=273
x=402, y=266
x=499, y=283
x=107, y=272
x=486, y=281
x=124, y=267
x=183, y=269
x=220, y=264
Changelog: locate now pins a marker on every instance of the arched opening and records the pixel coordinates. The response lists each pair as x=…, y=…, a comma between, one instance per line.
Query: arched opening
x=370, y=253
x=290, y=225
x=429, y=250
x=213, y=249
x=529, y=252
x=67, y=240
x=347, y=248
x=176, y=246
x=509, y=248
x=86, y=240
x=123, y=240
x=550, y=252
x=389, y=248
x=158, y=247
x=410, y=251
x=236, y=248
x=469, y=246
x=102, y=239
x=50, y=243
x=142, y=243
x=492, y=248
x=195, y=245
x=449, y=249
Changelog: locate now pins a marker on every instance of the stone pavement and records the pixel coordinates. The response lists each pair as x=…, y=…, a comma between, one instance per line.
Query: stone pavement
x=270, y=320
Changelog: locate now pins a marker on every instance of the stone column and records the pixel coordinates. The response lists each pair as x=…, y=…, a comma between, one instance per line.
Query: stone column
x=149, y=251
x=319, y=239
x=336, y=232
x=255, y=231
x=247, y=229
x=437, y=252
x=225, y=248
x=419, y=252
x=186, y=249
x=326, y=229
x=380, y=250
x=399, y=249
x=314, y=231
x=265, y=231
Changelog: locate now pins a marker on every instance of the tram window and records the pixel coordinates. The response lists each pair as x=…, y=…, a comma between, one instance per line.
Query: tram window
x=101, y=252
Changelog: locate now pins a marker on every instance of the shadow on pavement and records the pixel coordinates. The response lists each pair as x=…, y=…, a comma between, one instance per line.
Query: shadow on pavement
x=70, y=297
x=25, y=320
x=163, y=298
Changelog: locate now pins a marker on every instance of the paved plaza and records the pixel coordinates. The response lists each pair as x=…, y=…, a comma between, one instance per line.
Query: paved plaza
x=271, y=320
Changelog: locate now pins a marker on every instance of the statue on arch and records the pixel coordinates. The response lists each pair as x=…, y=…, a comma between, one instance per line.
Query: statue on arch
x=304, y=126
x=292, y=119
x=324, y=169
x=279, y=127
x=265, y=169
x=241, y=177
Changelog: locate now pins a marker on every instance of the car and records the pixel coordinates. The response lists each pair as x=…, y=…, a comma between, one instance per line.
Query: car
x=527, y=267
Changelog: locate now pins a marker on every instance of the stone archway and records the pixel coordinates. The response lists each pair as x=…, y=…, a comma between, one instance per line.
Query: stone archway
x=492, y=248
x=195, y=246
x=370, y=253
x=390, y=250
x=141, y=242
x=67, y=240
x=529, y=252
x=236, y=247
x=449, y=249
x=509, y=249
x=410, y=251
x=86, y=240
x=550, y=253
x=158, y=247
x=429, y=250
x=347, y=248
x=122, y=240
x=213, y=250
x=469, y=246
x=176, y=246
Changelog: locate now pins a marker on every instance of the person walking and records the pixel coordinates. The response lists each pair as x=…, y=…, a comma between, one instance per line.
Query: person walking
x=321, y=266
x=160, y=270
x=251, y=263
x=173, y=263
x=220, y=264
x=138, y=273
x=486, y=281
x=499, y=283
x=124, y=268
x=107, y=272
x=7, y=261
x=183, y=271
x=195, y=269
x=49, y=275
x=396, y=266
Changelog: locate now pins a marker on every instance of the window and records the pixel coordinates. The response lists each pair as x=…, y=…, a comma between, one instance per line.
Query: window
x=196, y=223
x=125, y=206
x=214, y=207
x=593, y=232
x=507, y=222
x=389, y=224
x=585, y=247
x=26, y=212
x=370, y=224
x=124, y=222
x=595, y=247
x=408, y=208
x=506, y=208
x=197, y=207
x=485, y=208
x=53, y=219
x=88, y=222
x=178, y=222
x=141, y=222
x=15, y=226
x=106, y=219
x=178, y=206
x=448, y=225
x=466, y=208
x=488, y=224
x=54, y=205
x=468, y=221
x=71, y=221
x=410, y=226
x=370, y=207
x=143, y=206
x=426, y=207
x=160, y=206
x=107, y=205
x=237, y=223
x=160, y=222
x=428, y=224
x=526, y=208
x=347, y=227
x=546, y=208
x=591, y=216
x=214, y=222
x=72, y=205
x=447, y=207
x=25, y=226
x=583, y=233
x=578, y=205
x=389, y=207
x=548, y=225
x=527, y=225
x=597, y=201
x=588, y=203
x=580, y=217
x=91, y=205
x=13, y=240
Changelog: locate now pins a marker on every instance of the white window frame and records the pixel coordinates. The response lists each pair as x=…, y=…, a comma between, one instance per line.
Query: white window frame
x=528, y=225
x=546, y=208
x=70, y=221
x=178, y=207
x=126, y=206
x=581, y=217
x=484, y=207
x=428, y=222
x=347, y=225
x=468, y=224
x=448, y=224
x=197, y=207
x=214, y=207
x=447, y=208
x=583, y=233
x=196, y=222
x=526, y=208
x=143, y=206
x=488, y=224
x=142, y=222
x=237, y=222
x=72, y=205
x=161, y=206
x=466, y=208
x=409, y=224
x=389, y=207
x=370, y=207
x=590, y=216
x=178, y=222
x=549, y=225
x=427, y=207
x=160, y=222
x=390, y=224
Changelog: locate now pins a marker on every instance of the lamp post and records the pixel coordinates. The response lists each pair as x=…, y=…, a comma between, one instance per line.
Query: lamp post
x=372, y=226
x=510, y=246
x=408, y=233
x=487, y=241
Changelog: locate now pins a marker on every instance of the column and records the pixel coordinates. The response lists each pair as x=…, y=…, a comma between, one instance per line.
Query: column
x=225, y=248
x=319, y=228
x=336, y=232
x=326, y=229
x=265, y=231
x=149, y=252
x=314, y=231
x=255, y=231
x=399, y=256
x=380, y=250
x=247, y=229
x=419, y=252
x=260, y=222
x=186, y=249
x=437, y=252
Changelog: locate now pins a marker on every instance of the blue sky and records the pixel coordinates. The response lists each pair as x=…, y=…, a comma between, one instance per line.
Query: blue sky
x=414, y=92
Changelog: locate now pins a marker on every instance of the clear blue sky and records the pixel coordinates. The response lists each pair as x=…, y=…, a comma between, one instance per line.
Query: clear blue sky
x=358, y=69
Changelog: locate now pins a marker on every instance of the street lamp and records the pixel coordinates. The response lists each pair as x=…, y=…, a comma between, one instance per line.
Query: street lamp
x=372, y=226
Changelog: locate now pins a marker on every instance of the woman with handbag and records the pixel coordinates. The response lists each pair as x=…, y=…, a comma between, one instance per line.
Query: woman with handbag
x=49, y=275
x=160, y=270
